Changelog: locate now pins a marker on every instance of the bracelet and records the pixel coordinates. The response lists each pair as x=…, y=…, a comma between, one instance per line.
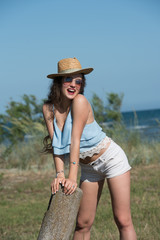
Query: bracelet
x=57, y=173
x=74, y=163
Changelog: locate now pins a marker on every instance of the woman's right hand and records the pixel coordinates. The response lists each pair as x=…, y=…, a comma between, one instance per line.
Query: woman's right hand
x=55, y=184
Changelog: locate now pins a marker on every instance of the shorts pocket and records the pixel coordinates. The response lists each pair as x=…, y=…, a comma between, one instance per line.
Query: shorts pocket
x=99, y=165
x=96, y=162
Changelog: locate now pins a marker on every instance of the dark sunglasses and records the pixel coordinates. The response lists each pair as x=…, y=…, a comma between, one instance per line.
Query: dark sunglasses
x=69, y=80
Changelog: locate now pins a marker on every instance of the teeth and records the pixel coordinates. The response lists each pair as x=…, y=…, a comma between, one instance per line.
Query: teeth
x=70, y=90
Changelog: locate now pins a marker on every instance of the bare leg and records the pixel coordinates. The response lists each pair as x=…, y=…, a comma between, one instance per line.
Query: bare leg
x=120, y=194
x=91, y=195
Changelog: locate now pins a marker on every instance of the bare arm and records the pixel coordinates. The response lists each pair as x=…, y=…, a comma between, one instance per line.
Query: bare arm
x=80, y=112
x=58, y=160
x=60, y=176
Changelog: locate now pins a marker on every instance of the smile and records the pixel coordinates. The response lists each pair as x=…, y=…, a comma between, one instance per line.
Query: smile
x=71, y=90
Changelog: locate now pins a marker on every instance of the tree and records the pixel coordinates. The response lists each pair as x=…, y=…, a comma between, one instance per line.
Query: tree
x=21, y=118
x=109, y=112
x=114, y=106
x=98, y=108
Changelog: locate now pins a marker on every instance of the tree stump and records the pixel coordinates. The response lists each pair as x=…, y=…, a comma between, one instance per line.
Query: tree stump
x=59, y=219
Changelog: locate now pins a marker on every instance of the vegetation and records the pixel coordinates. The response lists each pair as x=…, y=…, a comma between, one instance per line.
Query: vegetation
x=110, y=112
x=21, y=119
x=21, y=132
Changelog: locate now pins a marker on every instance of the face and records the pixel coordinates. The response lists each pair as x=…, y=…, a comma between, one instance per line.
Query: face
x=71, y=85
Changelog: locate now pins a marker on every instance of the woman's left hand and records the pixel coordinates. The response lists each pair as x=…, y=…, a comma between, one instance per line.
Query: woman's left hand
x=69, y=186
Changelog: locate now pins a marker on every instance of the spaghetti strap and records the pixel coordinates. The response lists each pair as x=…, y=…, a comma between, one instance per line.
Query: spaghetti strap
x=92, y=107
x=53, y=108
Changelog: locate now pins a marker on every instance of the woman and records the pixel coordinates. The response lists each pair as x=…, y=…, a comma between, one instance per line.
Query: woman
x=74, y=132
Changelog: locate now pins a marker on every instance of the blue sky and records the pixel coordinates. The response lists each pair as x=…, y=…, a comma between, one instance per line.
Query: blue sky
x=120, y=39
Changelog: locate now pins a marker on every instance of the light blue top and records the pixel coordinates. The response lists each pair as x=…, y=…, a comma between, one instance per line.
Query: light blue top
x=92, y=134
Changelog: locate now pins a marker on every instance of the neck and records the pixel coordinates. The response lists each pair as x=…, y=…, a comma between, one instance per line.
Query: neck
x=66, y=103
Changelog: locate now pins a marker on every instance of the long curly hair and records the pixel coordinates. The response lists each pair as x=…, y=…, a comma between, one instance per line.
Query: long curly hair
x=55, y=98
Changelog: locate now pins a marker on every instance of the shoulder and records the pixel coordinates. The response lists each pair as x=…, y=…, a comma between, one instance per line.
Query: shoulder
x=80, y=107
x=80, y=100
x=47, y=106
x=47, y=109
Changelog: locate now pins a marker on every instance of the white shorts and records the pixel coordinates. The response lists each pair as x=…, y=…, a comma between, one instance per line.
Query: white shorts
x=113, y=162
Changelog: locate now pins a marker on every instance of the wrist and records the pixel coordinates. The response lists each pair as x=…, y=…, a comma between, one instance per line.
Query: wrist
x=60, y=176
x=73, y=178
x=60, y=173
x=73, y=170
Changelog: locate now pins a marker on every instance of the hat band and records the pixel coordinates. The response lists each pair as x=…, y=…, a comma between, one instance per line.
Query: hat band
x=70, y=70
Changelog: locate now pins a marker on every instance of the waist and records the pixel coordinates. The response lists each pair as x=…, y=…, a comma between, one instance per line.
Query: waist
x=95, y=152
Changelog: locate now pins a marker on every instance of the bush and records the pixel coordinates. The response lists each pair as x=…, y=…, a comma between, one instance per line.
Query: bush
x=25, y=155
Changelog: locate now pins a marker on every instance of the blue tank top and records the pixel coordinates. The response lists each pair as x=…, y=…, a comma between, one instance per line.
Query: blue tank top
x=92, y=134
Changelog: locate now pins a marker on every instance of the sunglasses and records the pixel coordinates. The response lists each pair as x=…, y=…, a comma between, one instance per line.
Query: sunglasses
x=70, y=79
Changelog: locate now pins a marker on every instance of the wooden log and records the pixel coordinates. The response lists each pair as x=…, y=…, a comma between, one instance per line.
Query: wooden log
x=59, y=220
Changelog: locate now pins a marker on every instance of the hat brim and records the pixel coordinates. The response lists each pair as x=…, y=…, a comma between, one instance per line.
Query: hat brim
x=84, y=71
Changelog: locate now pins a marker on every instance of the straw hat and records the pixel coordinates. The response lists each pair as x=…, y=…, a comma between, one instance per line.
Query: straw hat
x=67, y=66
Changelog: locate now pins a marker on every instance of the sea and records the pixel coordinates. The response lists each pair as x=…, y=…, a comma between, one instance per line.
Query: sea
x=146, y=122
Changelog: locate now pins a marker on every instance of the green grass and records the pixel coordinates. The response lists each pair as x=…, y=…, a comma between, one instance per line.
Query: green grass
x=24, y=197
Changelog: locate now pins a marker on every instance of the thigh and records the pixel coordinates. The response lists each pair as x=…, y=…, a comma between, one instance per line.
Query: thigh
x=120, y=194
x=91, y=195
